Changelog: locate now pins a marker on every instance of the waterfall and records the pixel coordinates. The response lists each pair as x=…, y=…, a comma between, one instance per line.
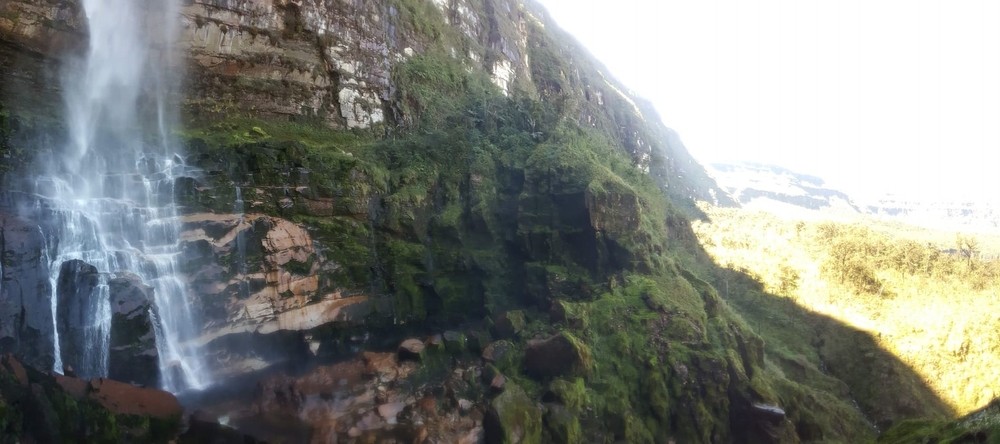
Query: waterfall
x=107, y=198
x=56, y=349
x=241, y=246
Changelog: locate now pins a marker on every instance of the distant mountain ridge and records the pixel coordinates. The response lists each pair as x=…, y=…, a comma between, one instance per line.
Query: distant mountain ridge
x=751, y=183
x=758, y=185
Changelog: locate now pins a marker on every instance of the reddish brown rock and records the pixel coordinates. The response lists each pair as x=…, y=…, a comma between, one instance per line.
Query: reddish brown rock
x=498, y=382
x=76, y=387
x=428, y=405
x=122, y=398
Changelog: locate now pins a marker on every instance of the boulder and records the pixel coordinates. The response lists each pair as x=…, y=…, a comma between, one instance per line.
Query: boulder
x=498, y=351
x=79, y=333
x=435, y=342
x=508, y=324
x=498, y=382
x=454, y=341
x=133, y=356
x=412, y=349
x=557, y=355
x=513, y=418
x=560, y=425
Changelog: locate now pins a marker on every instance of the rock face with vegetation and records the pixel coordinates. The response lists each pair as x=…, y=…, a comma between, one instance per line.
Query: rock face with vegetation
x=462, y=176
x=38, y=407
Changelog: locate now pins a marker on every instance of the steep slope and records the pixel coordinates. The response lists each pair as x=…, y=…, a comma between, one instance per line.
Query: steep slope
x=897, y=282
x=461, y=171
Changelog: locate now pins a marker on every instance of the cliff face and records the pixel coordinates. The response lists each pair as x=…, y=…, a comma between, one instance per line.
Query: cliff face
x=334, y=61
x=456, y=171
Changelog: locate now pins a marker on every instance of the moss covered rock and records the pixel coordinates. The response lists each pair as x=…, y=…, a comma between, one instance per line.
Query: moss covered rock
x=513, y=418
x=559, y=355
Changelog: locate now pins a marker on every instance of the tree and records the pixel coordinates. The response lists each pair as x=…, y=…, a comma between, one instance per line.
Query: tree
x=968, y=247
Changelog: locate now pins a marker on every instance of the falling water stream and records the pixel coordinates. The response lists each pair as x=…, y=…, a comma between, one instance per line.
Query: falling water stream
x=241, y=246
x=108, y=197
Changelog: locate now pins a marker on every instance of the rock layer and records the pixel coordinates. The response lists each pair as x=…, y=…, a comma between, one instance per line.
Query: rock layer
x=337, y=62
x=260, y=275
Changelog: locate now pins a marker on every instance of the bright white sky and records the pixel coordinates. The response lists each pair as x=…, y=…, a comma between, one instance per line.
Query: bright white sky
x=876, y=97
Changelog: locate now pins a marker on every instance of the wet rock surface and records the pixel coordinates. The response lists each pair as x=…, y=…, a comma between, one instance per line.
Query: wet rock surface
x=25, y=293
x=133, y=354
x=79, y=298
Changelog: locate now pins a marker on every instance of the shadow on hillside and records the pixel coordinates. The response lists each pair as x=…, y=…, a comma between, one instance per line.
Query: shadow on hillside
x=816, y=350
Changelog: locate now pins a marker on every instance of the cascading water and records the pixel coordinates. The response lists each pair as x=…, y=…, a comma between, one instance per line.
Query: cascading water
x=241, y=246
x=58, y=364
x=107, y=199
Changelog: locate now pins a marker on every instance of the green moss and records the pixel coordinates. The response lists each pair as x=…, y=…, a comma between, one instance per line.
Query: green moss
x=426, y=21
x=570, y=393
x=349, y=243
x=233, y=129
x=514, y=418
x=561, y=426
